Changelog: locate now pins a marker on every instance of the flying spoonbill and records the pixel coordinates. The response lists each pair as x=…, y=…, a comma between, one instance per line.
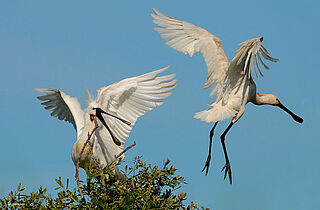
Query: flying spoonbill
x=113, y=112
x=234, y=85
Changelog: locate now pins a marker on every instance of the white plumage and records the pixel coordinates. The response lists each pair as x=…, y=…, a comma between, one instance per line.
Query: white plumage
x=234, y=85
x=230, y=79
x=127, y=99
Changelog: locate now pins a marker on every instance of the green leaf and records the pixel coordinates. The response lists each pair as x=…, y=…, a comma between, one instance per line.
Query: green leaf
x=145, y=186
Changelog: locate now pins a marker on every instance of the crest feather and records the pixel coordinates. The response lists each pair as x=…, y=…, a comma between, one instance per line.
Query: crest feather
x=89, y=96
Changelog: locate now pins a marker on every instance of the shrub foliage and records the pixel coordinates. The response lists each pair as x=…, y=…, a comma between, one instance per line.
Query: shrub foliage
x=144, y=187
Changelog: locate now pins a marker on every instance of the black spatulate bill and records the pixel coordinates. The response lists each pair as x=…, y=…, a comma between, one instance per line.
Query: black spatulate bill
x=99, y=112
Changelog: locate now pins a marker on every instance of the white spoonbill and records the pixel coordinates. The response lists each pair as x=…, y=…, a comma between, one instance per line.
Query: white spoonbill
x=116, y=107
x=234, y=85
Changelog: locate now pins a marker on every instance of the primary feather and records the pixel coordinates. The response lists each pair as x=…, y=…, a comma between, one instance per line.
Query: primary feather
x=133, y=97
x=62, y=106
x=230, y=78
x=127, y=99
x=191, y=39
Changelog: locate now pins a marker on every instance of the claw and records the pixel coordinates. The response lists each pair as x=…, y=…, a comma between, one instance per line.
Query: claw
x=227, y=169
x=207, y=164
x=225, y=174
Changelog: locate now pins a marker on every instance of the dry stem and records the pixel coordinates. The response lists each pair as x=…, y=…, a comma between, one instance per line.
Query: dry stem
x=78, y=161
x=121, y=153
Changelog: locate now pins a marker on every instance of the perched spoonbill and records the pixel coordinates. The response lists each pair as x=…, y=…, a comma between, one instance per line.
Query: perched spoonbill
x=234, y=81
x=116, y=107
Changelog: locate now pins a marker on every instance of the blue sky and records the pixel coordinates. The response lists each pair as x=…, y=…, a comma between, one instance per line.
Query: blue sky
x=73, y=45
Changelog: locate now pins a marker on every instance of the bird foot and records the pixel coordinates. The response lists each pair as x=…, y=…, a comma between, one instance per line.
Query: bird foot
x=227, y=170
x=207, y=164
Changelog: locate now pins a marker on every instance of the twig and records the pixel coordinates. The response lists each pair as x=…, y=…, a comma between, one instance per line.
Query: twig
x=78, y=161
x=121, y=153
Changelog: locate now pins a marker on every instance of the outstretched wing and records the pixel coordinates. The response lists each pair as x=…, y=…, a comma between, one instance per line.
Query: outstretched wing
x=190, y=39
x=133, y=97
x=244, y=64
x=62, y=106
x=247, y=57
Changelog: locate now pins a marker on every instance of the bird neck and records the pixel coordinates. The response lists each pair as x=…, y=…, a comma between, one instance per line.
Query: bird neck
x=264, y=99
x=81, y=145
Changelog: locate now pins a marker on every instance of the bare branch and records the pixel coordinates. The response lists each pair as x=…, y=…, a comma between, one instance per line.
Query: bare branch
x=121, y=153
x=83, y=148
x=78, y=161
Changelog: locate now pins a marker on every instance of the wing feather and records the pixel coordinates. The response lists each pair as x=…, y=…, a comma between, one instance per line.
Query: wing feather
x=191, y=39
x=133, y=97
x=62, y=106
x=244, y=64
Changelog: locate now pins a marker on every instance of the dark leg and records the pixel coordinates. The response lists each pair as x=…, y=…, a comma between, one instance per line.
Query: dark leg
x=206, y=166
x=227, y=166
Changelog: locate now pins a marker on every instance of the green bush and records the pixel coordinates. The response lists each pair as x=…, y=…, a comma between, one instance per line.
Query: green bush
x=145, y=187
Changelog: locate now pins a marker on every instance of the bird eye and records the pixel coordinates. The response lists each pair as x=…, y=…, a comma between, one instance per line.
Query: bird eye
x=92, y=117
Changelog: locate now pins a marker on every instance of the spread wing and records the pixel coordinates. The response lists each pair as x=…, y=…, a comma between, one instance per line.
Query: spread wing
x=133, y=97
x=62, y=106
x=245, y=64
x=190, y=39
x=247, y=57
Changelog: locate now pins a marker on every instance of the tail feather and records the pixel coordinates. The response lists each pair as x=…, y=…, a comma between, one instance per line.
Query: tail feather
x=217, y=112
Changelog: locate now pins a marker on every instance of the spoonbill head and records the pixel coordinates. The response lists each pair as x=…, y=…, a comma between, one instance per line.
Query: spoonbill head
x=234, y=84
x=110, y=116
x=270, y=99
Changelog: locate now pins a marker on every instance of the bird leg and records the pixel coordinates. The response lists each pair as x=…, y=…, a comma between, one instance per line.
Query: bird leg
x=227, y=166
x=207, y=164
